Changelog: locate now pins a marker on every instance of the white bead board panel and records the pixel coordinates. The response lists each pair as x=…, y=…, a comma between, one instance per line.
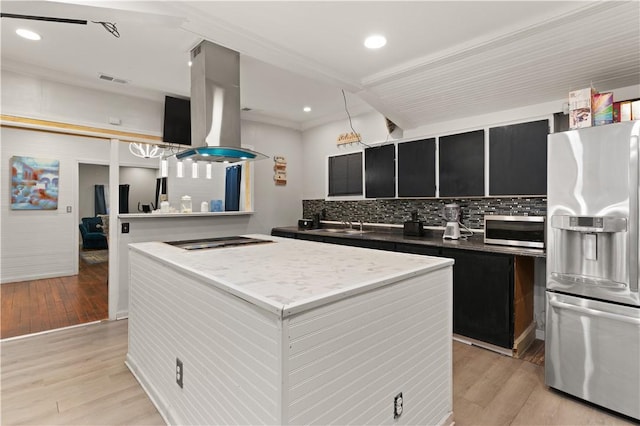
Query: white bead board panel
x=239, y=359
x=229, y=349
x=348, y=360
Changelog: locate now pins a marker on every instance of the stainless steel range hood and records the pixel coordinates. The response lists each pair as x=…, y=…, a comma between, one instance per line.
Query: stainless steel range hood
x=215, y=106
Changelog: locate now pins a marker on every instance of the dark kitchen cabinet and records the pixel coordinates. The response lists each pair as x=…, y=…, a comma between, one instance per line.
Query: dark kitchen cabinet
x=518, y=159
x=417, y=168
x=462, y=164
x=345, y=174
x=483, y=296
x=418, y=249
x=492, y=293
x=358, y=242
x=285, y=234
x=380, y=171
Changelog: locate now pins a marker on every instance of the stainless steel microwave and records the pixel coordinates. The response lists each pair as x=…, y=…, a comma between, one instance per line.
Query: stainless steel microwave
x=521, y=231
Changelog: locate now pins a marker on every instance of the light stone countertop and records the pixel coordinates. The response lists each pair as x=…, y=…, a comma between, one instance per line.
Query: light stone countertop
x=290, y=276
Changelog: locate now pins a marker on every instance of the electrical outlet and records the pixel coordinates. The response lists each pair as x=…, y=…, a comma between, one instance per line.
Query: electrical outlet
x=398, y=405
x=179, y=372
x=125, y=228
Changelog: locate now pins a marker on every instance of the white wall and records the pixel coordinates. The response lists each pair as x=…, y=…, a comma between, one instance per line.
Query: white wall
x=41, y=244
x=527, y=113
x=275, y=205
x=27, y=96
x=320, y=142
x=142, y=185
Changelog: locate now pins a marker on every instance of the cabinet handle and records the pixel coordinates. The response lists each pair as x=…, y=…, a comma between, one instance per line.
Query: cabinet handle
x=594, y=313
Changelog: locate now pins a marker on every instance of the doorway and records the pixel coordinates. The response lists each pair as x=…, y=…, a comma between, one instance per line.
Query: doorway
x=45, y=304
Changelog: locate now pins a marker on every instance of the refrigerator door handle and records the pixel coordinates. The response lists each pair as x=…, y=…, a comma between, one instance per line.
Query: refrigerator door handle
x=592, y=312
x=634, y=211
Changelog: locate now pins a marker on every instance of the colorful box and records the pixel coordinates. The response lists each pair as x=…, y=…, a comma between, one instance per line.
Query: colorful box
x=602, y=106
x=625, y=111
x=635, y=110
x=215, y=206
x=616, y=112
x=580, y=108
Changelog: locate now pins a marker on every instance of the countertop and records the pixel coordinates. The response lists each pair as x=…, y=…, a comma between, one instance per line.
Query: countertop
x=431, y=238
x=289, y=276
x=158, y=215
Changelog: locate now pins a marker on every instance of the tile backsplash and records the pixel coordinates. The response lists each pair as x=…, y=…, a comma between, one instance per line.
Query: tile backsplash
x=397, y=211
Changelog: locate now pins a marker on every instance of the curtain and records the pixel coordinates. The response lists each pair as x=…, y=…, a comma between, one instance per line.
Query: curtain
x=161, y=188
x=232, y=188
x=100, y=204
x=124, y=198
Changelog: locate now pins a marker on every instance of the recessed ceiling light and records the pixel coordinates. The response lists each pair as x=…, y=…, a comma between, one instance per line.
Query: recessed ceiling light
x=306, y=109
x=375, y=41
x=29, y=35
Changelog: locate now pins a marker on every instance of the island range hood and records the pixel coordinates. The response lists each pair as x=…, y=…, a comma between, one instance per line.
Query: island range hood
x=215, y=107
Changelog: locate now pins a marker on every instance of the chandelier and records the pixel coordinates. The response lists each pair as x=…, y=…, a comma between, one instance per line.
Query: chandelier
x=145, y=150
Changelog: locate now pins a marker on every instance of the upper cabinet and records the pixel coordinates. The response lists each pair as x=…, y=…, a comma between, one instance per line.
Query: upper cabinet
x=449, y=166
x=462, y=164
x=345, y=175
x=417, y=168
x=518, y=159
x=380, y=171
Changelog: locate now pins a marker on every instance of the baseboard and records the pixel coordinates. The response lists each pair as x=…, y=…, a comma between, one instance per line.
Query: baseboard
x=448, y=420
x=151, y=392
x=54, y=330
x=481, y=344
x=21, y=278
x=540, y=334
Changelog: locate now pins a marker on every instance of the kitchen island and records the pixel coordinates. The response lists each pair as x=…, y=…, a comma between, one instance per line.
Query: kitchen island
x=291, y=332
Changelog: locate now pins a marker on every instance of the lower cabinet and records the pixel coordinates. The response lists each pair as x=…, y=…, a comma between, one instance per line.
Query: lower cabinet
x=492, y=293
x=483, y=296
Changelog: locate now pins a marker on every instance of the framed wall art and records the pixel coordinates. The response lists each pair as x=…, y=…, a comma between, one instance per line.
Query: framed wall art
x=34, y=183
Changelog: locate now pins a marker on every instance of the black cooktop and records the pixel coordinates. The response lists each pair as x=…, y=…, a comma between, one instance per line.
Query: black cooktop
x=218, y=242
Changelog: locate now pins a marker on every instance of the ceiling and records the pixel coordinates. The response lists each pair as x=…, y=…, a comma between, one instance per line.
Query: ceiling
x=443, y=60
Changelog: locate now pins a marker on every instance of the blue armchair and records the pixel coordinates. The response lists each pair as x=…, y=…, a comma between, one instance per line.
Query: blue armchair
x=92, y=236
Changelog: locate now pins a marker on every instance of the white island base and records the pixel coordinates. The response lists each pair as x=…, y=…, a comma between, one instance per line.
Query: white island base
x=292, y=332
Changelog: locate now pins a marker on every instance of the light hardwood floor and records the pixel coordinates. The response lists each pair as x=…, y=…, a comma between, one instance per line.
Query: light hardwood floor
x=78, y=376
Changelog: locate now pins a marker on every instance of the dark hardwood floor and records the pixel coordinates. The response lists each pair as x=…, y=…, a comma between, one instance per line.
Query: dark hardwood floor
x=40, y=305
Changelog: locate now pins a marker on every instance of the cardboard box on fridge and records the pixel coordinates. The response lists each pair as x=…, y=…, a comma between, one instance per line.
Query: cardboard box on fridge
x=580, y=108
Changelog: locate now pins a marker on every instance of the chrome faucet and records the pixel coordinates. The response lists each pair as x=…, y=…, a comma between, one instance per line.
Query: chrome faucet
x=361, y=223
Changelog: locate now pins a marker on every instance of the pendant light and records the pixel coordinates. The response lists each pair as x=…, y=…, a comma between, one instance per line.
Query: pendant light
x=164, y=167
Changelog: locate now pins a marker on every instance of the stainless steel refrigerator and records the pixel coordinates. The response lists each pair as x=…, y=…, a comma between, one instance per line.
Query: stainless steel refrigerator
x=592, y=338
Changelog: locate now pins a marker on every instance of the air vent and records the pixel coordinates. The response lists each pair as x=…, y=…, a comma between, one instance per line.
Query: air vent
x=112, y=79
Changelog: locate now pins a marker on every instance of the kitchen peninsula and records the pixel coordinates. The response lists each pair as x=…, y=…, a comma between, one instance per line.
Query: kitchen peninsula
x=283, y=331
